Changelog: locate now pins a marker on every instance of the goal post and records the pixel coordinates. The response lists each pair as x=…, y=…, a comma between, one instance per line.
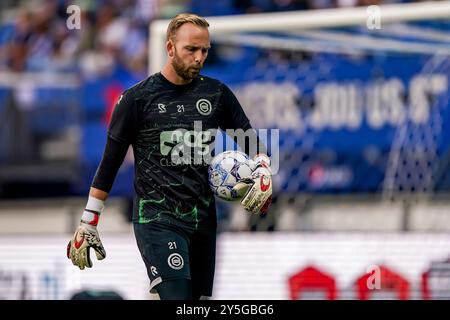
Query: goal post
x=298, y=20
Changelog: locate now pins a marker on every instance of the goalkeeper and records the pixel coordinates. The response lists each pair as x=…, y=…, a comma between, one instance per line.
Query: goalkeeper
x=174, y=216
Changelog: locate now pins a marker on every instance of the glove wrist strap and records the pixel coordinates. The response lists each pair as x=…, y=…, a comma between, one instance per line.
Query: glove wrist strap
x=262, y=159
x=94, y=208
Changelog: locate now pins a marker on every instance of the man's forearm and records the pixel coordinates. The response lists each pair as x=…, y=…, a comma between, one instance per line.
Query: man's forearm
x=98, y=194
x=112, y=159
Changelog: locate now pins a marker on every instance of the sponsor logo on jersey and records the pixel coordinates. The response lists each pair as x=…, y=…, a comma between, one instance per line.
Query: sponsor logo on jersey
x=204, y=107
x=153, y=271
x=175, y=261
x=162, y=108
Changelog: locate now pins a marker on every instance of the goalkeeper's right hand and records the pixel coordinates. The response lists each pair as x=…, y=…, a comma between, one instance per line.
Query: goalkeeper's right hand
x=86, y=237
x=78, y=249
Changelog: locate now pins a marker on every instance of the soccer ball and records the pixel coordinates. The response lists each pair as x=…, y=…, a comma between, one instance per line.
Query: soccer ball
x=225, y=170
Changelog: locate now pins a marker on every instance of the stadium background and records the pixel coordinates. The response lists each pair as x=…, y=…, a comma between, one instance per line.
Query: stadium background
x=361, y=205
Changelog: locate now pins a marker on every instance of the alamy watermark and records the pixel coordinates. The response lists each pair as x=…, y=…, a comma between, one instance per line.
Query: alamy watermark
x=374, y=280
x=198, y=146
x=373, y=17
x=74, y=19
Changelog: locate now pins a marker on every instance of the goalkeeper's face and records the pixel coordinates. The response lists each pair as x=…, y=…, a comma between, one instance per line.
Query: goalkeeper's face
x=189, y=50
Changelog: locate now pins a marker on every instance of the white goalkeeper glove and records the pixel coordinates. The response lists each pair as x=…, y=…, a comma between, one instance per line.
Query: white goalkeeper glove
x=86, y=237
x=256, y=191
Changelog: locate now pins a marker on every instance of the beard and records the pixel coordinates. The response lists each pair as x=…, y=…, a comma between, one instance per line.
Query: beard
x=183, y=70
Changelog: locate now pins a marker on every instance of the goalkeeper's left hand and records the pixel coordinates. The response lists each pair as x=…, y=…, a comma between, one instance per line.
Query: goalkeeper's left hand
x=258, y=195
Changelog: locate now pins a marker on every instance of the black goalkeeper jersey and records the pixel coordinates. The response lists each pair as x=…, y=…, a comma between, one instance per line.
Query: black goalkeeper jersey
x=161, y=121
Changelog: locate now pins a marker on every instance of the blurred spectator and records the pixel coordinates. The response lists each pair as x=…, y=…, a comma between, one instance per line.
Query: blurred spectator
x=17, y=53
x=112, y=32
x=255, y=6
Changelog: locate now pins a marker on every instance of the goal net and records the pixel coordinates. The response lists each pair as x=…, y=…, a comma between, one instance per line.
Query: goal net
x=360, y=96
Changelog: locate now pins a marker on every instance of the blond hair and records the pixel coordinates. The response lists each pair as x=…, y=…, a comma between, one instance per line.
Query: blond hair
x=181, y=19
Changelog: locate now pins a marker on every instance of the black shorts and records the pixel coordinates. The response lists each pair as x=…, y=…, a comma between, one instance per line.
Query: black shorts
x=170, y=253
